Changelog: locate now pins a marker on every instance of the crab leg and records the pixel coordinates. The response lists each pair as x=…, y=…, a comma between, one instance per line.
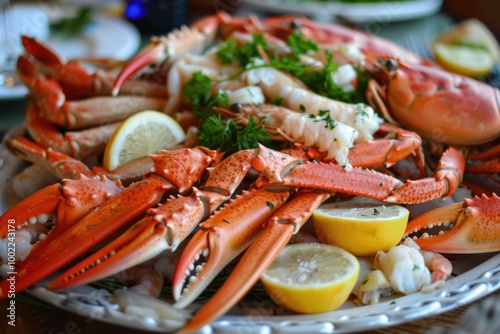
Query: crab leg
x=387, y=151
x=178, y=169
x=59, y=164
x=78, y=144
x=449, y=174
x=164, y=227
x=277, y=232
x=66, y=167
x=165, y=49
x=475, y=227
x=76, y=81
x=89, y=112
x=221, y=238
x=325, y=176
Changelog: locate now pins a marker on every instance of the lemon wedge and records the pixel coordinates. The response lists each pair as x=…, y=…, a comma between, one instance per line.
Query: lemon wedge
x=141, y=134
x=360, y=228
x=463, y=60
x=311, y=278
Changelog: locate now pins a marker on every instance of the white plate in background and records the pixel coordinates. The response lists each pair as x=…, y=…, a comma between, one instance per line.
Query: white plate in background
x=393, y=11
x=106, y=37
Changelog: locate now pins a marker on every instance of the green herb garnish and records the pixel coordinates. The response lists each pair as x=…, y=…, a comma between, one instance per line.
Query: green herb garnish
x=67, y=27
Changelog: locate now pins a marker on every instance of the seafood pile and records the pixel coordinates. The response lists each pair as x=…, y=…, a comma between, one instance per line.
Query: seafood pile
x=282, y=114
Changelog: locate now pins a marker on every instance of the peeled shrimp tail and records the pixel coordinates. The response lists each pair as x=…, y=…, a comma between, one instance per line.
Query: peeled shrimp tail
x=147, y=280
x=439, y=266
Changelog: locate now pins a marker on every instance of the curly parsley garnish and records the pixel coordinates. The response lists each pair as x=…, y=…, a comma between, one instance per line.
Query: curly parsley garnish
x=230, y=137
x=216, y=132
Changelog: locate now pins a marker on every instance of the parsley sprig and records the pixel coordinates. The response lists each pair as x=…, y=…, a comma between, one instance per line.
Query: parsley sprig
x=230, y=137
x=216, y=132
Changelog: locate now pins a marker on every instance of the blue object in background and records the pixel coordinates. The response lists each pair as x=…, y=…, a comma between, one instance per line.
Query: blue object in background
x=156, y=16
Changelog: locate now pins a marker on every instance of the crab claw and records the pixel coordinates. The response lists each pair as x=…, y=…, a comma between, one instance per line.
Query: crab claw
x=166, y=48
x=221, y=238
x=475, y=227
x=163, y=228
x=183, y=167
x=69, y=203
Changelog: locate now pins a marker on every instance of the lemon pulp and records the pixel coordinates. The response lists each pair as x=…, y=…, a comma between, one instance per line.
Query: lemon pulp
x=311, y=278
x=360, y=228
x=139, y=135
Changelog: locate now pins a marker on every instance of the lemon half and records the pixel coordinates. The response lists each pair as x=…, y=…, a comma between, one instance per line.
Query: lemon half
x=139, y=135
x=360, y=228
x=311, y=278
x=463, y=60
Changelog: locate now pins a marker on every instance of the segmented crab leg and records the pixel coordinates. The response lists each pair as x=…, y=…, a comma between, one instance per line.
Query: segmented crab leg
x=77, y=82
x=66, y=167
x=177, y=169
x=388, y=151
x=59, y=164
x=325, y=176
x=475, y=227
x=491, y=163
x=93, y=111
x=164, y=227
x=165, y=49
x=221, y=238
x=78, y=144
x=449, y=174
x=277, y=232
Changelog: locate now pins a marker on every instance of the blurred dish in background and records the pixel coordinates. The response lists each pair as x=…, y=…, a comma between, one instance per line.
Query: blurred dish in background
x=353, y=11
x=107, y=36
x=156, y=16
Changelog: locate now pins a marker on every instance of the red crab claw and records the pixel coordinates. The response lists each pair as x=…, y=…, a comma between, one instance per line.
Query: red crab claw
x=166, y=48
x=164, y=227
x=475, y=227
x=69, y=201
x=177, y=169
x=277, y=232
x=220, y=239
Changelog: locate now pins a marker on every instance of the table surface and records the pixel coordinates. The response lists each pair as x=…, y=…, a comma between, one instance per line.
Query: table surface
x=32, y=319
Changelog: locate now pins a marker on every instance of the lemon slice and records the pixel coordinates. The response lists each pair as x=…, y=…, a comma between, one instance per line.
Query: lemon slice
x=463, y=60
x=360, y=228
x=141, y=134
x=311, y=278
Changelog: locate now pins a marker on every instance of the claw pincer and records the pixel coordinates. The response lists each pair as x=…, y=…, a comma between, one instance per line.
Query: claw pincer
x=475, y=227
x=173, y=170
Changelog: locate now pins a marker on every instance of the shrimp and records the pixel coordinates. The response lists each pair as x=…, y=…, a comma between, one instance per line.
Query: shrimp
x=407, y=269
x=183, y=70
x=146, y=279
x=404, y=267
x=439, y=266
